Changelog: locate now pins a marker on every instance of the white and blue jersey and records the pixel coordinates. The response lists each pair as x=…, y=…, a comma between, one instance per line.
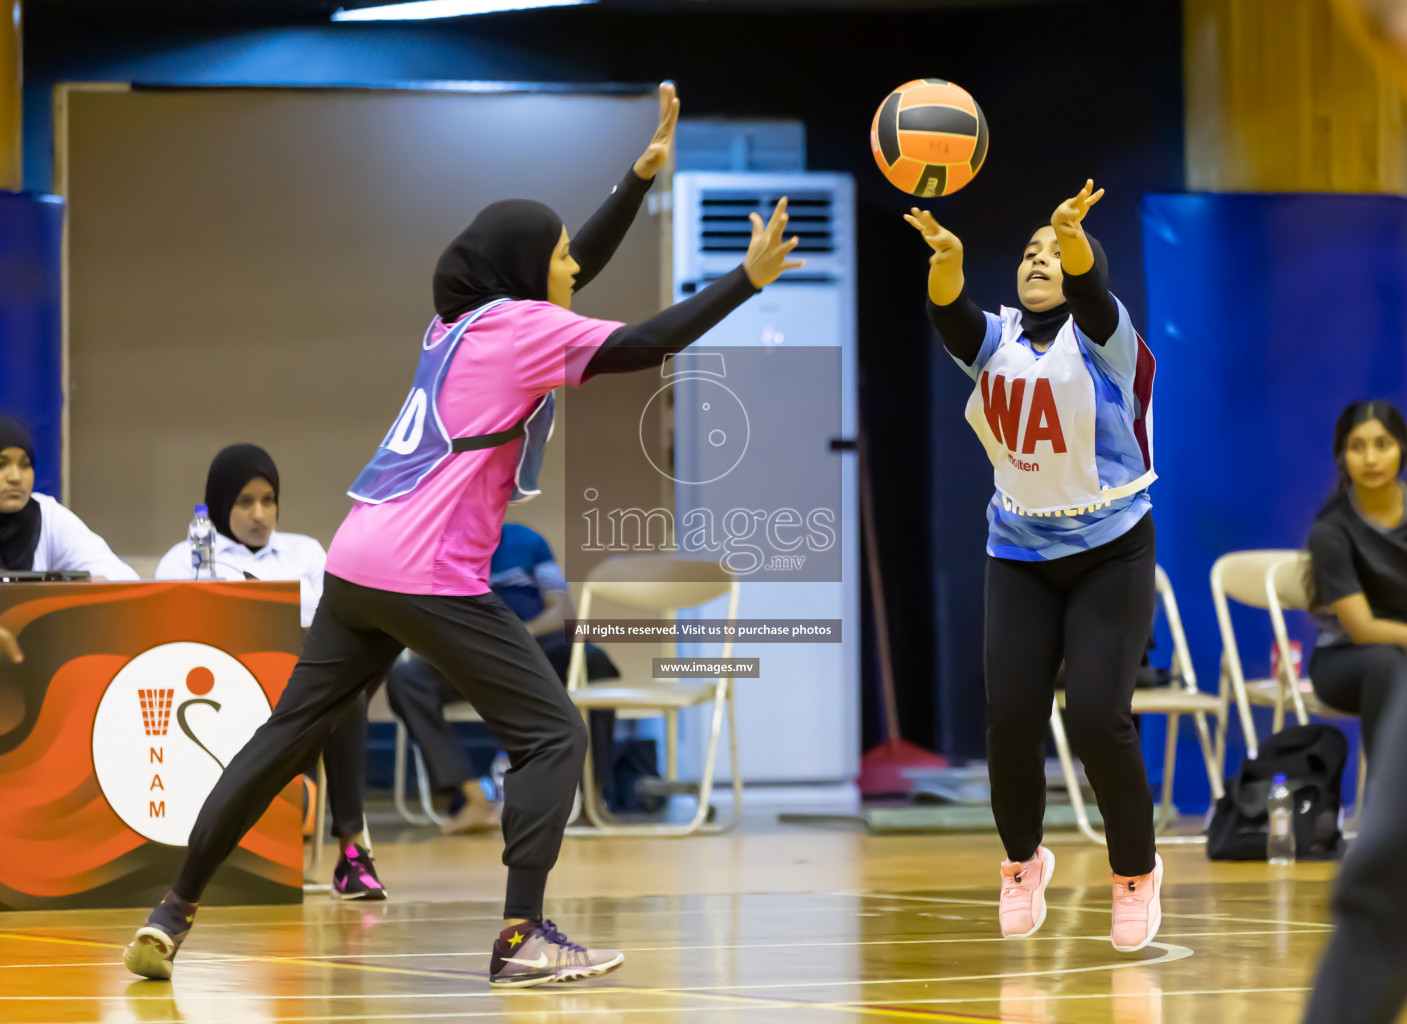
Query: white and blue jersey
x=1069, y=434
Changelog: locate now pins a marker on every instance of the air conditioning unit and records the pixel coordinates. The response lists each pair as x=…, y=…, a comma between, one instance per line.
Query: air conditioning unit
x=800, y=721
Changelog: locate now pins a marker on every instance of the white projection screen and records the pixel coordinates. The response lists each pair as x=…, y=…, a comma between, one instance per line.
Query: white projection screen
x=254, y=265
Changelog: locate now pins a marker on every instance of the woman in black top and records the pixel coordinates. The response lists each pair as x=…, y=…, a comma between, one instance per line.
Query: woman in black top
x=1358, y=563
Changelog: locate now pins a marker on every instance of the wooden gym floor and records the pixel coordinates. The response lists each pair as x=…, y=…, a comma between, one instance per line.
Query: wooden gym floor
x=774, y=924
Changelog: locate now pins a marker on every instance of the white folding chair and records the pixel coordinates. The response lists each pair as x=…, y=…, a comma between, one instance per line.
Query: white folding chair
x=1180, y=697
x=659, y=583
x=1286, y=587
x=1241, y=576
x=454, y=711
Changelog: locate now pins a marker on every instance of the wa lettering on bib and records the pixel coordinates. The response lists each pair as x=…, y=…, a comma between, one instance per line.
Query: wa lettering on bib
x=418, y=442
x=1036, y=418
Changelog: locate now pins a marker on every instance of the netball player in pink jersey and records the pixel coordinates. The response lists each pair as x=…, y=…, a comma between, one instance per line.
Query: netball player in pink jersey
x=409, y=566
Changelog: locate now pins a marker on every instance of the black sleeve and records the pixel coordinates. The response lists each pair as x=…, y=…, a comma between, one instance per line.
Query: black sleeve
x=645, y=344
x=961, y=324
x=1331, y=562
x=596, y=242
x=1091, y=304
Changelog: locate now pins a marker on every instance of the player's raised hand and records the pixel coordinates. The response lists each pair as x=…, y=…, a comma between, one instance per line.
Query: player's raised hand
x=656, y=154
x=1068, y=215
x=10, y=647
x=767, y=252
x=946, y=246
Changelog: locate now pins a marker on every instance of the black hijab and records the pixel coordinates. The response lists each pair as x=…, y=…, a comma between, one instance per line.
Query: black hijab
x=19, y=531
x=230, y=472
x=1042, y=327
x=504, y=254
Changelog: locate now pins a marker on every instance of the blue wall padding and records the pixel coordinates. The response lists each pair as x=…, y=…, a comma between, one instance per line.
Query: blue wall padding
x=1268, y=314
x=31, y=345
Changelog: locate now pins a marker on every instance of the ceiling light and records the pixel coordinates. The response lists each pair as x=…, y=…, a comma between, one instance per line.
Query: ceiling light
x=419, y=10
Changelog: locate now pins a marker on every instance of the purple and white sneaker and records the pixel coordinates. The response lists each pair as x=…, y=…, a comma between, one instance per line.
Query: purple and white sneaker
x=355, y=877
x=538, y=954
x=152, y=951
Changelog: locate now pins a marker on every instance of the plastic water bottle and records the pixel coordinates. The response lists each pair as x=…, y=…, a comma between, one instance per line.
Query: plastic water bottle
x=202, y=537
x=498, y=771
x=1280, y=842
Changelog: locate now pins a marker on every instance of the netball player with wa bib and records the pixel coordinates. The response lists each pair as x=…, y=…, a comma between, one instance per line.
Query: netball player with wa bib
x=409, y=567
x=1062, y=402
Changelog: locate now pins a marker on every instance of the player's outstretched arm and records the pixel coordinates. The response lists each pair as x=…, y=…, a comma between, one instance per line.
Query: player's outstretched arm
x=945, y=278
x=957, y=319
x=597, y=241
x=643, y=345
x=1085, y=283
x=1076, y=255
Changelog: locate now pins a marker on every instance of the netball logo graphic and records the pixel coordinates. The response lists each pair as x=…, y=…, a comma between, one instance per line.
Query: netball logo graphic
x=167, y=725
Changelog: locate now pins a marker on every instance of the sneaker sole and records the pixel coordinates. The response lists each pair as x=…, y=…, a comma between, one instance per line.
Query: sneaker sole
x=1045, y=907
x=562, y=977
x=595, y=971
x=374, y=895
x=1157, y=917
x=146, y=955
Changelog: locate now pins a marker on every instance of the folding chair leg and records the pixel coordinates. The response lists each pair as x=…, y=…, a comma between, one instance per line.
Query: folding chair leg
x=1209, y=755
x=734, y=767
x=422, y=782
x=671, y=745
x=400, y=783
x=319, y=828
x=320, y=818
x=1072, y=782
x=1167, y=811
x=1351, y=825
x=588, y=795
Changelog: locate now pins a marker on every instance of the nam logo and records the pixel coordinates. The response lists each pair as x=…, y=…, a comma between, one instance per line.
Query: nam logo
x=166, y=726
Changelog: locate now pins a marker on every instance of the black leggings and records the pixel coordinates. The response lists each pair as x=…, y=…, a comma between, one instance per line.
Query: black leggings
x=418, y=693
x=1093, y=609
x=1358, y=679
x=490, y=660
x=344, y=757
x=1361, y=978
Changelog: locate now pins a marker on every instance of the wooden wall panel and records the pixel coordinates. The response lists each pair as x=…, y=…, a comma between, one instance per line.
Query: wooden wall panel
x=1280, y=99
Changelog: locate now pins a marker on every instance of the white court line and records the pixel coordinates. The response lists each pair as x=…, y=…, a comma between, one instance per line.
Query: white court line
x=200, y=958
x=1170, y=954
x=577, y=1011
x=1112, y=997
x=1089, y=910
x=351, y=914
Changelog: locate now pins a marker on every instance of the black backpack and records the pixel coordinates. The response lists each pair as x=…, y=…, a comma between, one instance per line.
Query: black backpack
x=1312, y=759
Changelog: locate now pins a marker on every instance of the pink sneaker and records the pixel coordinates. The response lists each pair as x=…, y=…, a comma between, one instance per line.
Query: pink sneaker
x=1023, y=908
x=1137, y=909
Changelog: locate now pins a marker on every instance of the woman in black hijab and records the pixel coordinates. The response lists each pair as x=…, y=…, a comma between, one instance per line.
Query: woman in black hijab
x=409, y=566
x=36, y=532
x=1061, y=401
x=242, y=497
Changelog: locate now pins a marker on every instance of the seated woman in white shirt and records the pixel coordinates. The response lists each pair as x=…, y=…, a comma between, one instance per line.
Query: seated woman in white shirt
x=241, y=493
x=36, y=532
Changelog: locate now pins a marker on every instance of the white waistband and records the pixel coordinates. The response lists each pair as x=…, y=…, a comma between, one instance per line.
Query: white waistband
x=1107, y=496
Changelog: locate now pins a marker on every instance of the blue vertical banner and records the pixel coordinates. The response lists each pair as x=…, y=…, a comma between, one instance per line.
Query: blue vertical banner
x=1268, y=314
x=31, y=330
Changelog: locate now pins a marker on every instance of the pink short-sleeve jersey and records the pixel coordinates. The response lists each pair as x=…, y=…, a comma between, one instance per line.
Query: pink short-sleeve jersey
x=439, y=538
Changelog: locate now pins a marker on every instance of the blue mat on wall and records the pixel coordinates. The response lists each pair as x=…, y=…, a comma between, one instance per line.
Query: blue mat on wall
x=1268, y=314
x=31, y=359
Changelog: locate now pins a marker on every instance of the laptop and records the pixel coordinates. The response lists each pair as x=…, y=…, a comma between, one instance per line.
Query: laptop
x=56, y=576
